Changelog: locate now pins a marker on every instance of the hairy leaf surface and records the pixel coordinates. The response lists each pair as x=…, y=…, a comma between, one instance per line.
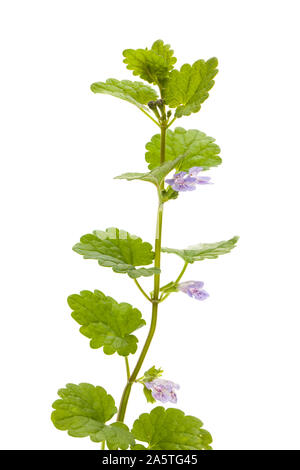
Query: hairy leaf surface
x=83, y=410
x=204, y=250
x=107, y=323
x=188, y=87
x=171, y=429
x=136, y=93
x=198, y=148
x=119, y=250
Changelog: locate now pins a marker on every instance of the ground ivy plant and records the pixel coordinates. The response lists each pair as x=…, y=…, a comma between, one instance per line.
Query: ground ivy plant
x=88, y=410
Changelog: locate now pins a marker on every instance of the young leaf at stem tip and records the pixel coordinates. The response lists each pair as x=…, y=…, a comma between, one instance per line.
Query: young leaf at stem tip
x=152, y=65
x=204, y=250
x=188, y=87
x=83, y=410
x=107, y=323
x=165, y=51
x=200, y=149
x=119, y=250
x=152, y=373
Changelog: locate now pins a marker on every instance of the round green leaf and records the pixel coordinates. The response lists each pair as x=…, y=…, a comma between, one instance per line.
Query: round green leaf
x=204, y=250
x=108, y=323
x=83, y=410
x=171, y=429
x=198, y=148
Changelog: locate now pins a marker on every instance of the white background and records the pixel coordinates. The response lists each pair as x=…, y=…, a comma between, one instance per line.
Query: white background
x=236, y=355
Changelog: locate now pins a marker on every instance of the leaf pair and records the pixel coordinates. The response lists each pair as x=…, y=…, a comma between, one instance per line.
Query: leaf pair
x=185, y=89
x=83, y=410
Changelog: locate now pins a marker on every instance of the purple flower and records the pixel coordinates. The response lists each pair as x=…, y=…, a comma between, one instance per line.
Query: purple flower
x=193, y=289
x=194, y=173
x=163, y=390
x=184, y=181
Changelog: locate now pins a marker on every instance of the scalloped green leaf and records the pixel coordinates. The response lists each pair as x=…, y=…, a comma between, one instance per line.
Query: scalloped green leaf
x=152, y=65
x=165, y=51
x=107, y=323
x=118, y=436
x=198, y=148
x=119, y=250
x=204, y=250
x=146, y=64
x=155, y=176
x=171, y=429
x=83, y=410
x=188, y=87
x=136, y=93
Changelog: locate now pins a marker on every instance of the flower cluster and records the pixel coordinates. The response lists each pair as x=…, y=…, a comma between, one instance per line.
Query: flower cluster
x=163, y=390
x=193, y=289
x=184, y=181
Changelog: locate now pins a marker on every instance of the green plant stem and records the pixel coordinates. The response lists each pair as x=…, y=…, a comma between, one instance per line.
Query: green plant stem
x=127, y=367
x=155, y=298
x=142, y=290
x=102, y=445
